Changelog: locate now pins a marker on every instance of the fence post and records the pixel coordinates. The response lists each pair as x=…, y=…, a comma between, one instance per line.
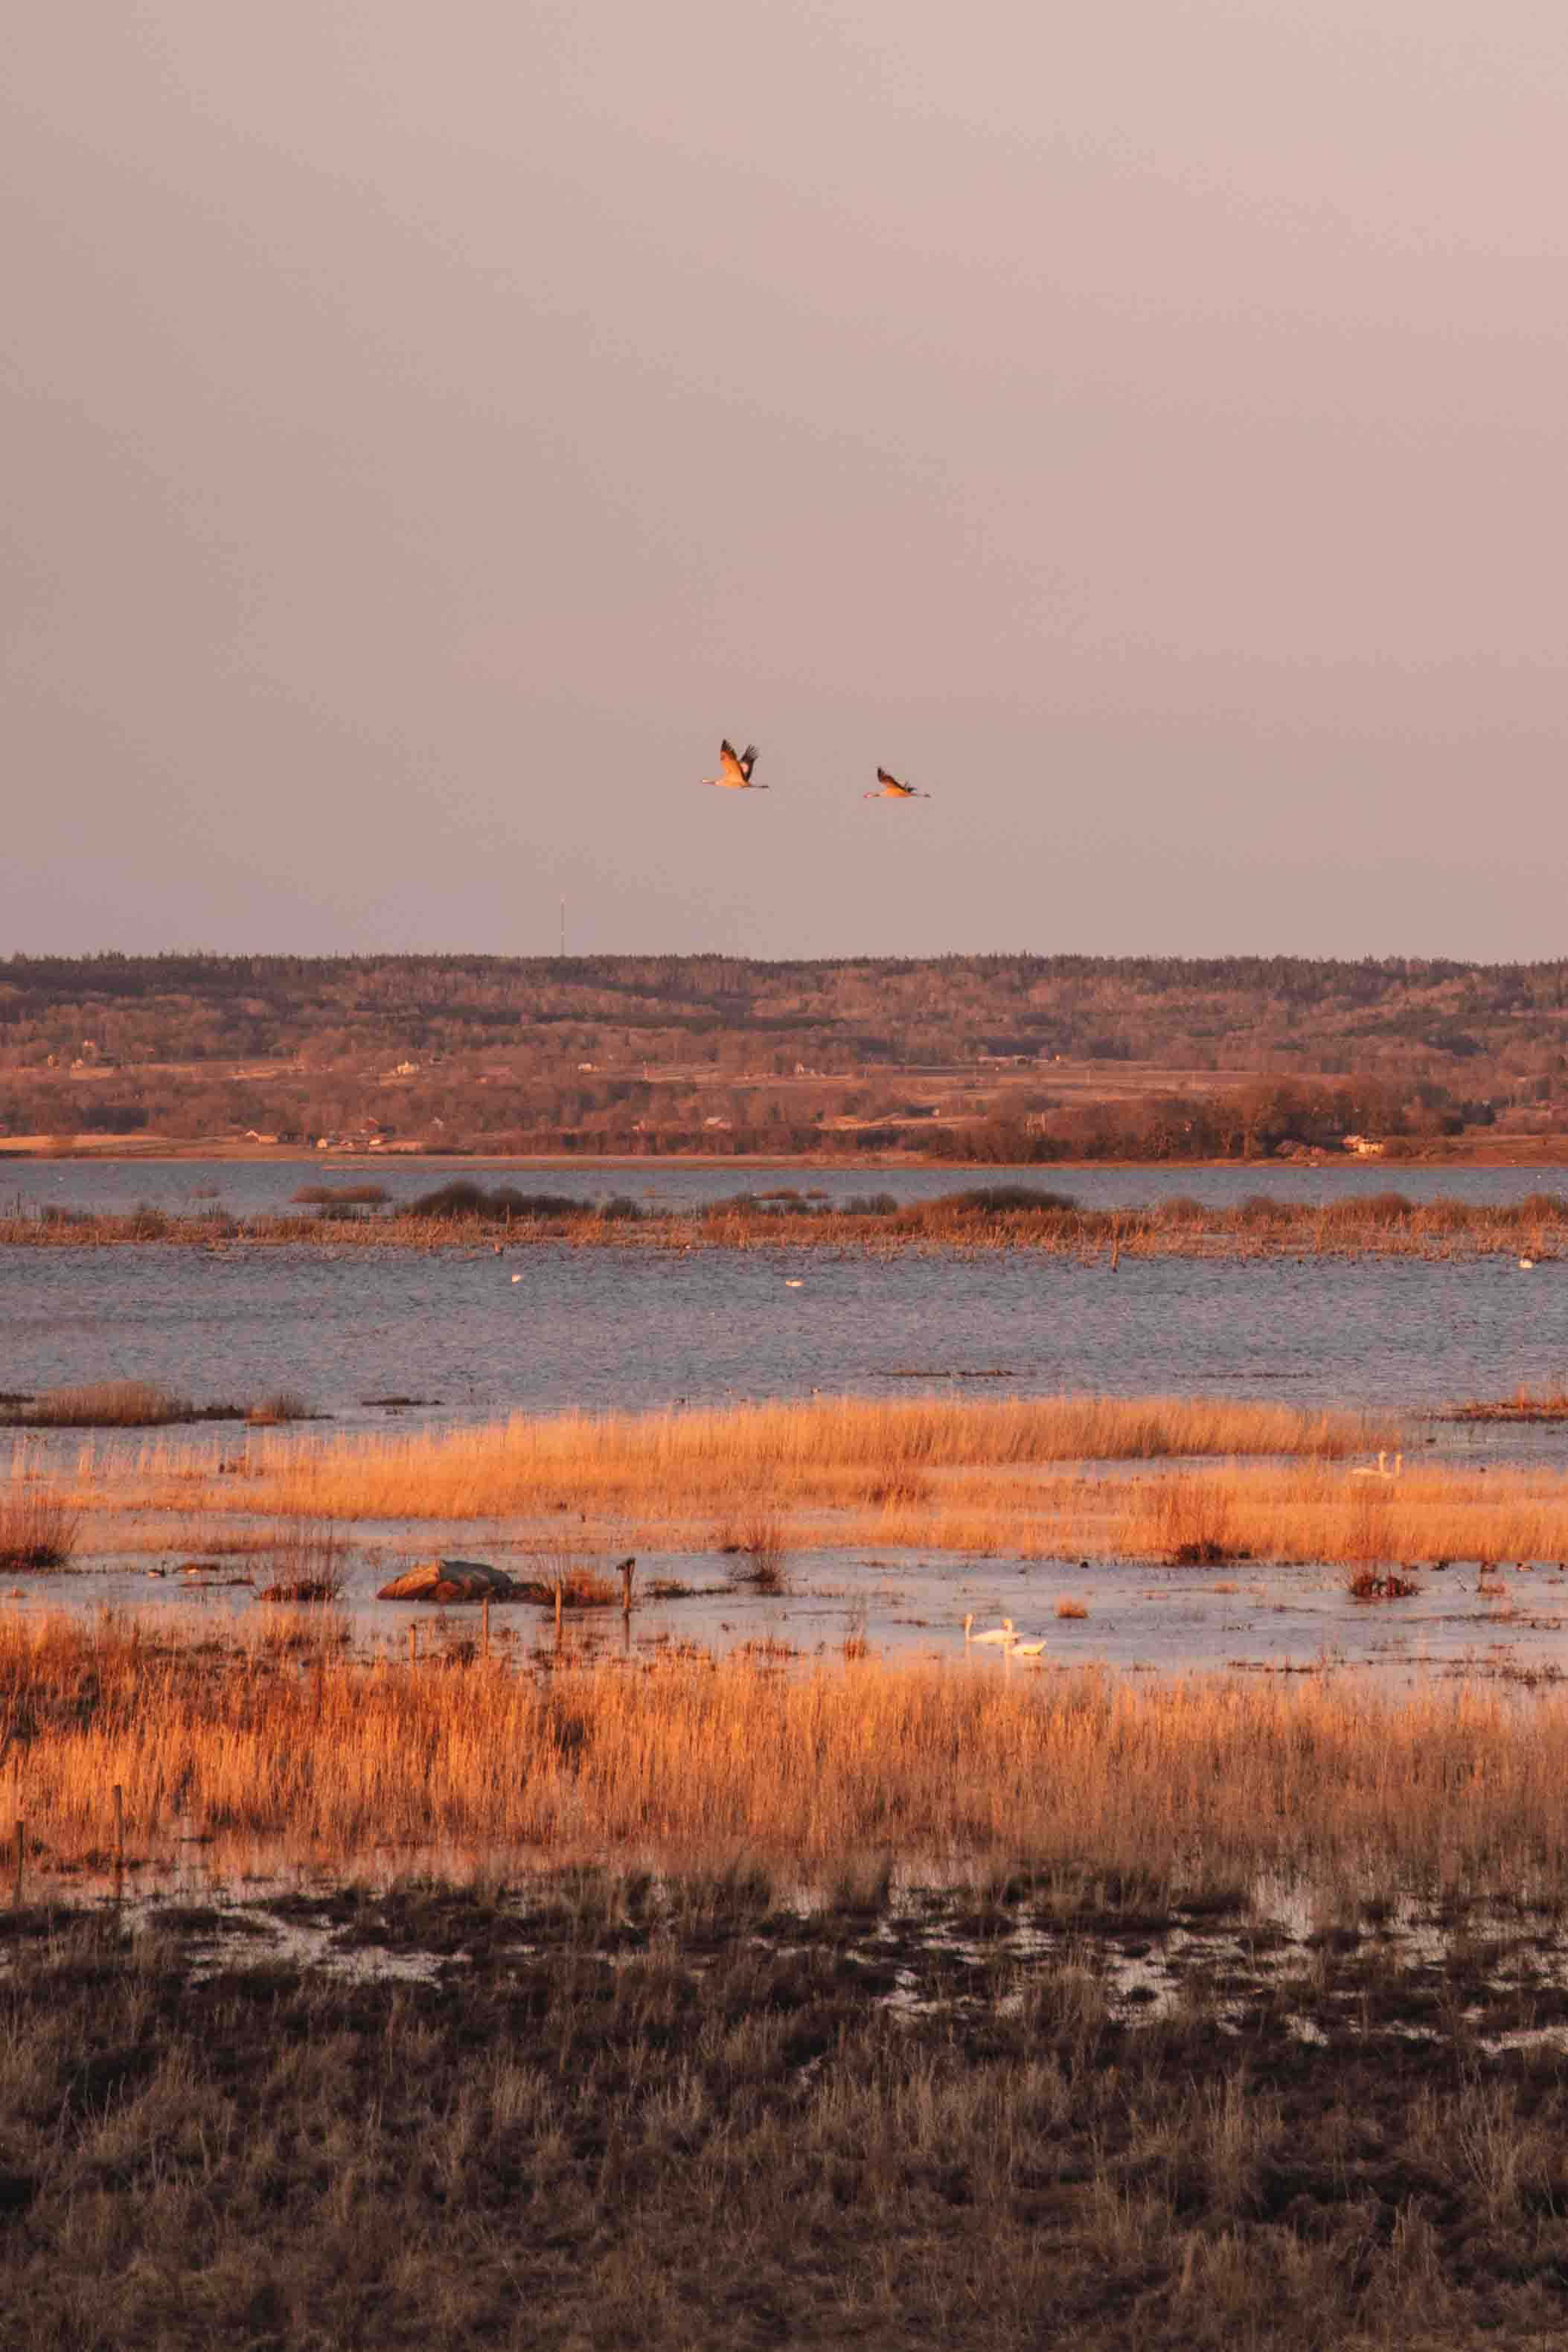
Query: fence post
x=21, y=1844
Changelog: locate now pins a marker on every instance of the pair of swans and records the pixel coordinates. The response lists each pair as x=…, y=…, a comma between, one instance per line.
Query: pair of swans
x=1381, y=1469
x=1003, y=1637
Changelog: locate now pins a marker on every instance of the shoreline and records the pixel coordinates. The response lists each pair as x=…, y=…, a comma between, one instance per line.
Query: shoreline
x=171, y=1152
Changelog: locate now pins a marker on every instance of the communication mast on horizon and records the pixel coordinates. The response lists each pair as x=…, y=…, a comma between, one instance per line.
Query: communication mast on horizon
x=563, y=930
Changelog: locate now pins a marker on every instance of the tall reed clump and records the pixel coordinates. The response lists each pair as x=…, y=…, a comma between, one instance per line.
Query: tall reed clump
x=760, y=1539
x=107, y=1404
x=1185, y=1520
x=1176, y=1784
x=38, y=1529
x=564, y=1576
x=309, y=1560
x=276, y=1406
x=1313, y=1512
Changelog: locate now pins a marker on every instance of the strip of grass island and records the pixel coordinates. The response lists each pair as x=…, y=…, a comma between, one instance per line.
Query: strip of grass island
x=978, y=1218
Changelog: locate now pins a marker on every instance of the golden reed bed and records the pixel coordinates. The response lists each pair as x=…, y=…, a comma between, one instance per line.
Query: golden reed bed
x=832, y=1451
x=1180, y=1784
x=1156, y=1479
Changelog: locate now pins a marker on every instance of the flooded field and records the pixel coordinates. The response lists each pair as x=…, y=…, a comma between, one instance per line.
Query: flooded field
x=906, y=1608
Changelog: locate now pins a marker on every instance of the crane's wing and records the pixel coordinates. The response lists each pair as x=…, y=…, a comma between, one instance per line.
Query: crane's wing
x=748, y=760
x=892, y=784
x=730, y=764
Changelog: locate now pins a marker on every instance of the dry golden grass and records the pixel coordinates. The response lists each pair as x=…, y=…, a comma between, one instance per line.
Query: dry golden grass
x=838, y=1452
x=38, y=1526
x=960, y=1477
x=1312, y=1513
x=683, y=1761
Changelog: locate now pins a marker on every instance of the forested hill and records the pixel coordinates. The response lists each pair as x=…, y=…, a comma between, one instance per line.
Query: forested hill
x=653, y=1052
x=1222, y=1014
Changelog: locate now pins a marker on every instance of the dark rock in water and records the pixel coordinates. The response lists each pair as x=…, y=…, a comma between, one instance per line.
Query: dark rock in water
x=450, y=1579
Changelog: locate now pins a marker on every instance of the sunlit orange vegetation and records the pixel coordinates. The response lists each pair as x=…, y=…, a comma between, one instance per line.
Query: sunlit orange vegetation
x=1312, y=1513
x=1182, y=1783
x=892, y=1455
x=38, y=1527
x=1013, y=1475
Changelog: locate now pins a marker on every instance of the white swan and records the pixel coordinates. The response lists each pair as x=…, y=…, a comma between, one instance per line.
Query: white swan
x=999, y=1637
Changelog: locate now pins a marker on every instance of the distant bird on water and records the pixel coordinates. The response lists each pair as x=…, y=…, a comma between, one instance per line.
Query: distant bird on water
x=735, y=770
x=888, y=787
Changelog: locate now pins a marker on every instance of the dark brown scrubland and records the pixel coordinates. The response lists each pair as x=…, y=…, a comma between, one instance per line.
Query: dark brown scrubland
x=702, y=2124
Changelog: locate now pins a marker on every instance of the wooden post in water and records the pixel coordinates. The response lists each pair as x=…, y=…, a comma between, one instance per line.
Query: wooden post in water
x=413, y=1641
x=119, y=1826
x=484, y=1624
x=559, y=1598
x=628, y=1571
x=21, y=1844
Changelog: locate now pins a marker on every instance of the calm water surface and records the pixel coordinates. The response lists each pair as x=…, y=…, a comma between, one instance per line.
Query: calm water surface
x=605, y=1330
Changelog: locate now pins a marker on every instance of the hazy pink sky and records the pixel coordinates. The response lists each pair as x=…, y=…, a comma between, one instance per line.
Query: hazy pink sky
x=428, y=429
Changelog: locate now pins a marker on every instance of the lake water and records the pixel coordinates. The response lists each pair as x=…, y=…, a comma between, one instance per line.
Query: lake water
x=602, y=1328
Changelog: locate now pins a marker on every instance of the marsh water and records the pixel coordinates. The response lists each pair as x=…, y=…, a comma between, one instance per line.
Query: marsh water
x=477, y=1335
